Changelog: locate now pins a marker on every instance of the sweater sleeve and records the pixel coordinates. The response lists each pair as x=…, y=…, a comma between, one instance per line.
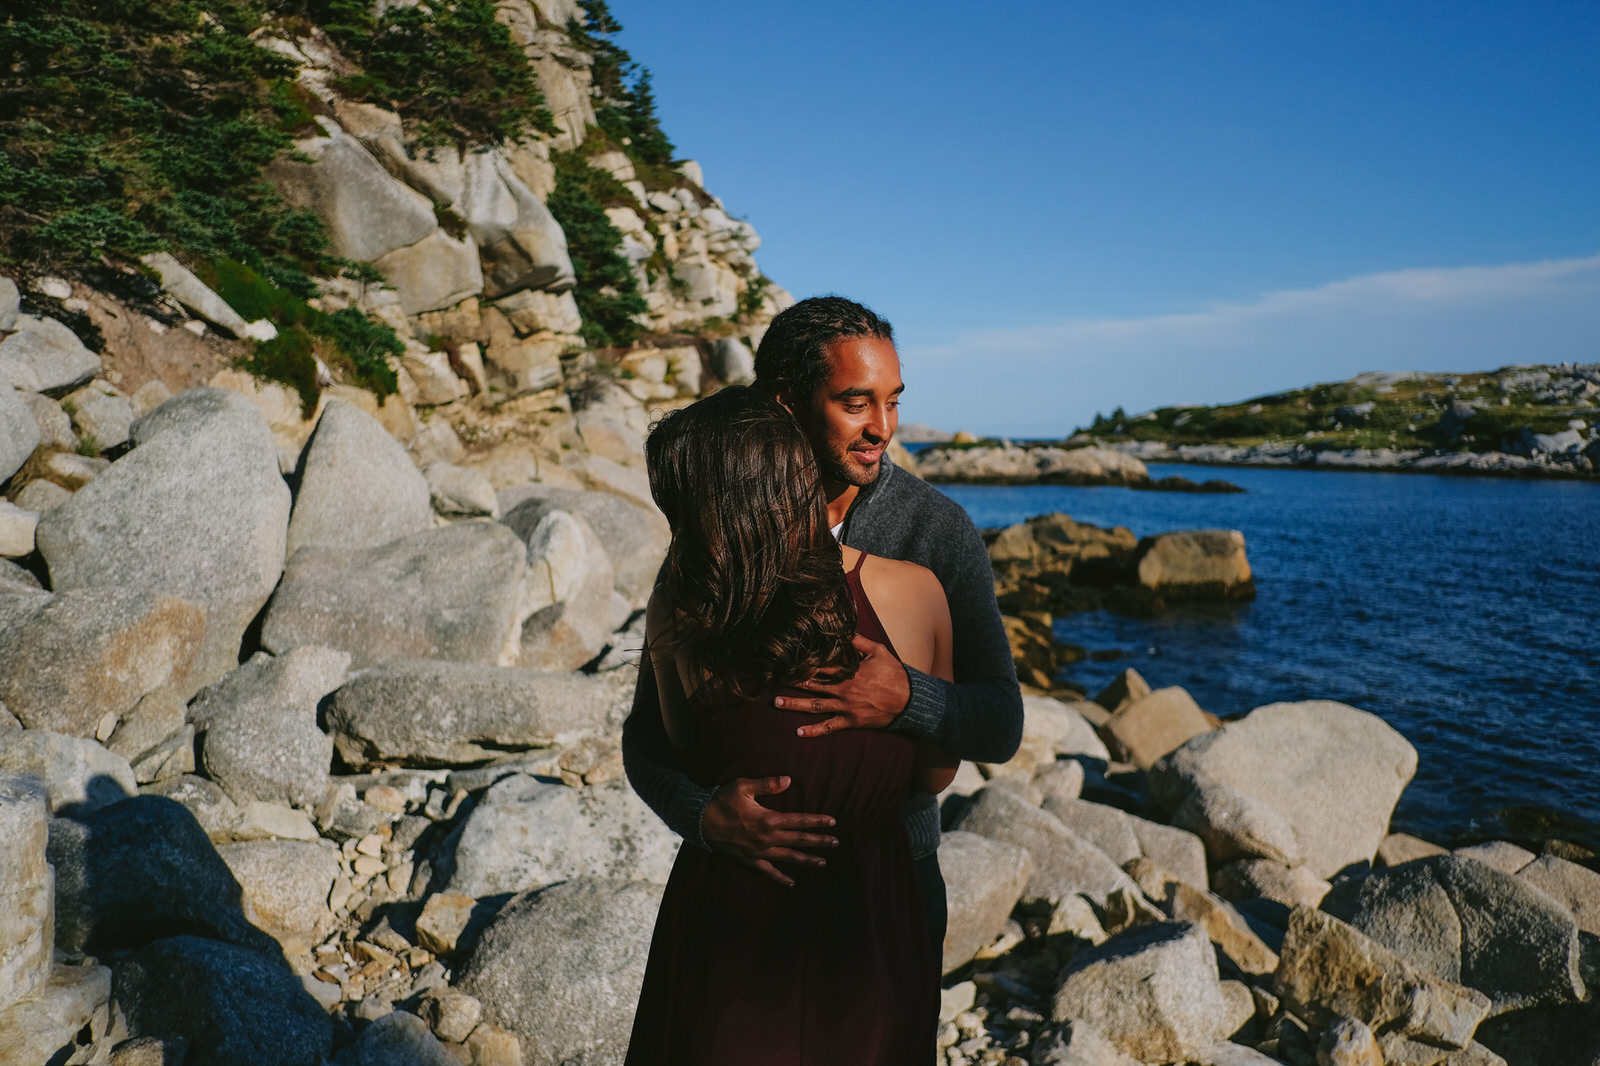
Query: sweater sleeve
x=651, y=763
x=979, y=717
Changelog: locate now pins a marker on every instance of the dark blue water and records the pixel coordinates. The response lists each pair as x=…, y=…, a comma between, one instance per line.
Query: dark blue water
x=1461, y=610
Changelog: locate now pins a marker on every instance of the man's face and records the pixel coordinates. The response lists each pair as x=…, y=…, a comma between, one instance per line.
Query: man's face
x=853, y=415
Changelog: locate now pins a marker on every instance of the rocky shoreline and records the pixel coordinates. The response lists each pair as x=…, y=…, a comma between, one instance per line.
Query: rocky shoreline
x=1005, y=463
x=1382, y=460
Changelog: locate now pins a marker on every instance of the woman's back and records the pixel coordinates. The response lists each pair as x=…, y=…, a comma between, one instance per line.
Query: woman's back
x=835, y=970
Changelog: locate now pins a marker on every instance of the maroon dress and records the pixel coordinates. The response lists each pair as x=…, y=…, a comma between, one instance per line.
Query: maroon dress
x=836, y=971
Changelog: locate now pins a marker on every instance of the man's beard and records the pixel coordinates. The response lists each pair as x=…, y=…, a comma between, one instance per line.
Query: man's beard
x=839, y=468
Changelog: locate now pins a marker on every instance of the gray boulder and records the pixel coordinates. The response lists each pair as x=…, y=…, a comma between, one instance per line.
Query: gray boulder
x=367, y=211
x=400, y=1039
x=635, y=536
x=521, y=243
x=181, y=284
x=450, y=593
x=232, y=1006
x=27, y=888
x=526, y=833
x=1153, y=991
x=571, y=586
x=1466, y=922
x=1105, y=827
x=258, y=726
x=285, y=885
x=102, y=415
x=1329, y=773
x=1575, y=887
x=430, y=713
x=1148, y=728
x=19, y=432
x=17, y=527
x=983, y=880
x=49, y=1025
x=732, y=361
x=80, y=660
x=1234, y=825
x=1329, y=970
x=44, y=356
x=1064, y=863
x=140, y=870
x=461, y=492
x=562, y=968
x=358, y=487
x=79, y=775
x=55, y=426
x=10, y=303
x=196, y=510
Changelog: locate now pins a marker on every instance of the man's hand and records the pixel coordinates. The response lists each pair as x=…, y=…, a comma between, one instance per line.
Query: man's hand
x=871, y=699
x=736, y=825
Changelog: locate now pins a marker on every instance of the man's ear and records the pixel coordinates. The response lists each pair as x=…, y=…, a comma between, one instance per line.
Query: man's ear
x=785, y=401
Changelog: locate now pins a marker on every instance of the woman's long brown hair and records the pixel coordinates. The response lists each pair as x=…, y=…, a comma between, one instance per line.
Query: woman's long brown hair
x=753, y=575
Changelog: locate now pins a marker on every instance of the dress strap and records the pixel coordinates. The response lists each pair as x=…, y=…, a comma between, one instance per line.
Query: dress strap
x=855, y=570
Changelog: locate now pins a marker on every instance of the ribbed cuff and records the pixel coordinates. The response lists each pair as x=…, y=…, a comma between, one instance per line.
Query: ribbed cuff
x=689, y=814
x=924, y=713
x=921, y=811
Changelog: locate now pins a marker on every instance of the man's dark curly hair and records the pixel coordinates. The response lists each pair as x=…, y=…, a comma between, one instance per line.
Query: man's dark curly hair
x=792, y=359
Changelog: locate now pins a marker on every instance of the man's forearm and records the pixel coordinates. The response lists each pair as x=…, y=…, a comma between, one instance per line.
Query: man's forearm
x=976, y=721
x=653, y=766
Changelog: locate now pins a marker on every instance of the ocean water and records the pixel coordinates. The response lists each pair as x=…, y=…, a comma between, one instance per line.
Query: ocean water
x=1462, y=610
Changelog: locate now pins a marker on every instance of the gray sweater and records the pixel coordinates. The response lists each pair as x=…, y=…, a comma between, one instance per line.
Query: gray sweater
x=978, y=718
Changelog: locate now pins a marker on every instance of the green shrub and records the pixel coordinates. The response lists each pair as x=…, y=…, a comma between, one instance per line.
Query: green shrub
x=449, y=68
x=625, y=102
x=607, y=292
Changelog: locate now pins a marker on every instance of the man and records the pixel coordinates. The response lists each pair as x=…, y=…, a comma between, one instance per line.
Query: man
x=833, y=364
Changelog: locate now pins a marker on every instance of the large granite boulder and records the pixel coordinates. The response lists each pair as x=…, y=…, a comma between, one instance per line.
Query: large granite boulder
x=571, y=589
x=437, y=272
x=78, y=774
x=285, y=886
x=27, y=888
x=1468, y=923
x=367, y=211
x=197, y=510
x=1153, y=991
x=450, y=593
x=521, y=243
x=358, y=487
x=1203, y=562
x=1329, y=970
x=1064, y=863
x=79, y=661
x=1328, y=773
x=983, y=880
x=65, y=1019
x=19, y=431
x=258, y=726
x=635, y=536
x=430, y=713
x=562, y=967
x=231, y=1005
x=1147, y=729
x=42, y=355
x=140, y=870
x=526, y=833
x=400, y=1039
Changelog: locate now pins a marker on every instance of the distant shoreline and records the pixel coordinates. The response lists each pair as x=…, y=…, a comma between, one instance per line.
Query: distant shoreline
x=1452, y=464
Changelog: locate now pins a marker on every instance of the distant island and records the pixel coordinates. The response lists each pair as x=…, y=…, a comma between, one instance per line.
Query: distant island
x=1525, y=420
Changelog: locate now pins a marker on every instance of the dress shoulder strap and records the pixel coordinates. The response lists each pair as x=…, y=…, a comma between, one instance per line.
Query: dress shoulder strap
x=861, y=557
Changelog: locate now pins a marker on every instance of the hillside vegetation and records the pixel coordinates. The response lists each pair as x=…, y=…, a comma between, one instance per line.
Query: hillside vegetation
x=1527, y=410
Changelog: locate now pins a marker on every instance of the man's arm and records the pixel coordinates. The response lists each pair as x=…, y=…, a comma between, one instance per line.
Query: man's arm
x=652, y=763
x=978, y=717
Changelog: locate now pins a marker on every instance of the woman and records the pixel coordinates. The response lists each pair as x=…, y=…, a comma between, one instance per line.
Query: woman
x=756, y=597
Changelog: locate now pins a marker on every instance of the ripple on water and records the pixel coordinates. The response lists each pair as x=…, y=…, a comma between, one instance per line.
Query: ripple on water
x=1461, y=610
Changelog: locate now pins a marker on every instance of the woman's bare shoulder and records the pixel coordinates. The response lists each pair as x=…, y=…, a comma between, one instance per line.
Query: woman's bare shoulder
x=902, y=578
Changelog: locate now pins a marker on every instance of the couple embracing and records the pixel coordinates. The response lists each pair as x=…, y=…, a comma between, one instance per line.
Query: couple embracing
x=822, y=647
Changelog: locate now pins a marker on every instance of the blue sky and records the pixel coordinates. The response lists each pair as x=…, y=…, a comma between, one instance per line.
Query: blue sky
x=1066, y=207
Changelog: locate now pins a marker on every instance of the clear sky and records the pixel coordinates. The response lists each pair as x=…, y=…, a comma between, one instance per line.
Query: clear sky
x=1064, y=207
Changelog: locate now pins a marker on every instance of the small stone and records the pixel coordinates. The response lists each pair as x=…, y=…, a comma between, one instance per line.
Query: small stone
x=386, y=798
x=452, y=1015
x=443, y=920
x=371, y=844
x=368, y=866
x=490, y=1045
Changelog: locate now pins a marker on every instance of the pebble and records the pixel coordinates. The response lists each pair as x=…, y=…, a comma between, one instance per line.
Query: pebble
x=368, y=866
x=371, y=844
x=386, y=798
